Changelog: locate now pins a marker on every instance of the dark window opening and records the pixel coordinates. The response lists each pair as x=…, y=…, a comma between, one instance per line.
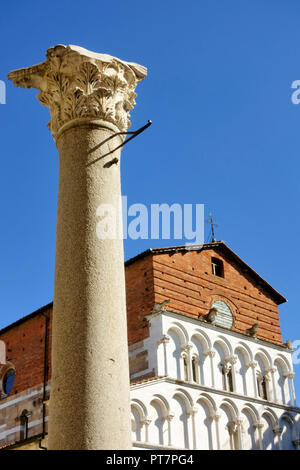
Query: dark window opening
x=227, y=379
x=185, y=368
x=230, y=381
x=262, y=387
x=24, y=425
x=224, y=379
x=8, y=381
x=217, y=267
x=195, y=370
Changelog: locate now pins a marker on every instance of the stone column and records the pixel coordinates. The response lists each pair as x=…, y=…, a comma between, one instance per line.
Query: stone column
x=258, y=426
x=169, y=418
x=253, y=365
x=192, y=413
x=164, y=340
x=232, y=430
x=214, y=418
x=290, y=376
x=232, y=360
x=239, y=423
x=277, y=434
x=185, y=355
x=89, y=96
x=273, y=392
x=146, y=422
x=211, y=354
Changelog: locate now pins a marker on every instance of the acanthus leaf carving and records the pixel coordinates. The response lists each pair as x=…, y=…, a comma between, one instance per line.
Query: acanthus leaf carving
x=76, y=83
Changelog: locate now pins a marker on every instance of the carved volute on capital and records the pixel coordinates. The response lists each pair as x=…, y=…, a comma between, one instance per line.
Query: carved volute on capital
x=75, y=83
x=146, y=421
x=186, y=347
x=215, y=417
x=290, y=375
x=170, y=416
x=165, y=339
x=252, y=365
x=258, y=425
x=210, y=353
x=267, y=375
x=192, y=411
x=232, y=427
x=239, y=420
x=277, y=430
x=226, y=367
x=231, y=359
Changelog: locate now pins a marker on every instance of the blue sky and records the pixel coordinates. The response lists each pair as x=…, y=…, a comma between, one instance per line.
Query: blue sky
x=225, y=132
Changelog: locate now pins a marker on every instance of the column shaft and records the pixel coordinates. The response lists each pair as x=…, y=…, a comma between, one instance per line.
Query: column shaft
x=90, y=382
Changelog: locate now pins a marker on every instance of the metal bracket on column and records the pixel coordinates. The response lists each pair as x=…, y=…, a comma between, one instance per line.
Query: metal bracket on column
x=133, y=135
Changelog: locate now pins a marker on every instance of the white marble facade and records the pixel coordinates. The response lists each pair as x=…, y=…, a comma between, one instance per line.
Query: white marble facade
x=213, y=388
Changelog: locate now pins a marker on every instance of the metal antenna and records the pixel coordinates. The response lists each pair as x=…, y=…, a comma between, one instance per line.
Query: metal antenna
x=213, y=224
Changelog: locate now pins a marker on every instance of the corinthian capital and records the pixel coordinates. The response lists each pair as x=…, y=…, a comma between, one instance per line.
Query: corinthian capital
x=75, y=83
x=252, y=364
x=210, y=352
x=231, y=359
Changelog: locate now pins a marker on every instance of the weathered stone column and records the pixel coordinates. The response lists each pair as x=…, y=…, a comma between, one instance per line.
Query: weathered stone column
x=89, y=96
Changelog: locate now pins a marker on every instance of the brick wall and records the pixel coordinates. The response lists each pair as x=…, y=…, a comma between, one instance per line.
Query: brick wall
x=139, y=297
x=25, y=343
x=186, y=279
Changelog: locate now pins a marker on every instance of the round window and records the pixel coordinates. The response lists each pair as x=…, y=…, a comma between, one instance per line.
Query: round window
x=8, y=381
x=224, y=316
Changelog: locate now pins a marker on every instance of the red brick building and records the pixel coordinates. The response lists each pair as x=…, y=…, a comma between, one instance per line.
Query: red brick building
x=185, y=281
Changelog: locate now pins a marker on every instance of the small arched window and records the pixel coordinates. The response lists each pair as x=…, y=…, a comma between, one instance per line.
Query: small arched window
x=227, y=378
x=224, y=316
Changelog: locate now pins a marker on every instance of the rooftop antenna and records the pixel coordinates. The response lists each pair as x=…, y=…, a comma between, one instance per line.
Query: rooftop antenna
x=213, y=224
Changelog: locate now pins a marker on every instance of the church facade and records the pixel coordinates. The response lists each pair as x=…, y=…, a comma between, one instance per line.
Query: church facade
x=208, y=367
